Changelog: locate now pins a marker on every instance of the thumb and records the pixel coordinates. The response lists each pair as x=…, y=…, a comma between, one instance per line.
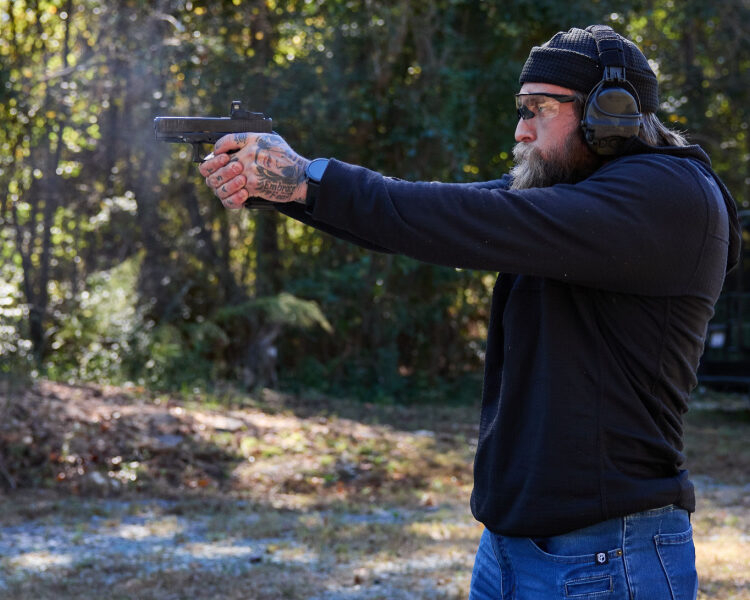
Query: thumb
x=233, y=142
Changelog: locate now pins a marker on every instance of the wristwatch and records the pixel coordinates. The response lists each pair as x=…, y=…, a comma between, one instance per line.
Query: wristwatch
x=314, y=173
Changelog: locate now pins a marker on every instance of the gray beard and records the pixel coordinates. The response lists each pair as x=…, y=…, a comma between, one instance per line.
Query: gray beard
x=570, y=162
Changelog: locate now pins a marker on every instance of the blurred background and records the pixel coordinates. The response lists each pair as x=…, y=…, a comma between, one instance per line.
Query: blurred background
x=117, y=265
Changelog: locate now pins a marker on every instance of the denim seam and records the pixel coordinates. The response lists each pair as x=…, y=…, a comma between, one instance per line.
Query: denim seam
x=495, y=541
x=663, y=566
x=625, y=557
x=666, y=539
x=508, y=594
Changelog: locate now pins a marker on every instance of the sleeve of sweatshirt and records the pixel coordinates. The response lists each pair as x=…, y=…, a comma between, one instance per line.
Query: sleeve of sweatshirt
x=298, y=212
x=640, y=224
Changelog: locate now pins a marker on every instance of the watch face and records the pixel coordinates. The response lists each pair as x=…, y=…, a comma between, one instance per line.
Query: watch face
x=316, y=169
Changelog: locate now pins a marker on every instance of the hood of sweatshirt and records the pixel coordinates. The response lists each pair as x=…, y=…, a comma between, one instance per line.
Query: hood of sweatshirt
x=637, y=146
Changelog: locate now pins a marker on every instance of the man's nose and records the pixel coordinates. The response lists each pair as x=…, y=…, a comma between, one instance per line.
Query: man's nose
x=525, y=131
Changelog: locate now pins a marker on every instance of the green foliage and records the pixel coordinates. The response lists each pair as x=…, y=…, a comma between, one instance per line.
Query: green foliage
x=283, y=309
x=92, y=341
x=14, y=348
x=117, y=264
x=703, y=62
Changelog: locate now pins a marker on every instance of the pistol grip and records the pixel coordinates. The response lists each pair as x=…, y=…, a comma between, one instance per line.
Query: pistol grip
x=253, y=202
x=198, y=154
x=259, y=203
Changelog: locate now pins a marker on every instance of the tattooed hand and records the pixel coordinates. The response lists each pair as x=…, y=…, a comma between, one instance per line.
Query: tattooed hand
x=263, y=165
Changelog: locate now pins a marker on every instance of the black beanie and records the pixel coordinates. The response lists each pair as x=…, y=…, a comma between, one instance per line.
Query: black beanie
x=570, y=59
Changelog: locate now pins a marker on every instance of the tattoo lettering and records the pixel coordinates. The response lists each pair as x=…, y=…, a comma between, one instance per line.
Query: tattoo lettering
x=275, y=185
x=240, y=138
x=280, y=170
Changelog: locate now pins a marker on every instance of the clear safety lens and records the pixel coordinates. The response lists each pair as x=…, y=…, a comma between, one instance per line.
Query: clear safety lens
x=545, y=106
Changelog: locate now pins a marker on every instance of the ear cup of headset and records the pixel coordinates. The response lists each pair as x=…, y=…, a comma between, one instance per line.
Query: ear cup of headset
x=611, y=116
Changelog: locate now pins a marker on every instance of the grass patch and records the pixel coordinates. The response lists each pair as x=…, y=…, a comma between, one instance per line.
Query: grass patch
x=716, y=444
x=261, y=582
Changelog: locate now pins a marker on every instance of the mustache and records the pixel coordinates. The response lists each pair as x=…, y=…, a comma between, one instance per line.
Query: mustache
x=530, y=170
x=523, y=152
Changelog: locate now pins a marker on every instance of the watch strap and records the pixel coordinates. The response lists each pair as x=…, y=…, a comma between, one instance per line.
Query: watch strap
x=313, y=182
x=313, y=187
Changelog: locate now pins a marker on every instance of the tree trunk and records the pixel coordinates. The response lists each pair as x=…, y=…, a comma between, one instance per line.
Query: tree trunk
x=36, y=280
x=268, y=264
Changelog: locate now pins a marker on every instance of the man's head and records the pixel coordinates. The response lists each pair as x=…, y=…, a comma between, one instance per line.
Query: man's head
x=551, y=147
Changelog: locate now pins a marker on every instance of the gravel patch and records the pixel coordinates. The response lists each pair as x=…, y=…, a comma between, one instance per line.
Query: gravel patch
x=125, y=540
x=138, y=545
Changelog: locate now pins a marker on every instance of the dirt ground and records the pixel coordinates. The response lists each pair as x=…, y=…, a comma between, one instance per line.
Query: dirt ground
x=158, y=497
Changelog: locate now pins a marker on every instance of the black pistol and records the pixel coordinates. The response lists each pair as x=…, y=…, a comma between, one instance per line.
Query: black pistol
x=199, y=131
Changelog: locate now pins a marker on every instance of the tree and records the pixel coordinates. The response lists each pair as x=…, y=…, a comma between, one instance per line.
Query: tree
x=418, y=90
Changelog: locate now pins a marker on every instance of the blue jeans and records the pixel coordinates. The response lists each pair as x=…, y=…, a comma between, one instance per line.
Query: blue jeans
x=644, y=556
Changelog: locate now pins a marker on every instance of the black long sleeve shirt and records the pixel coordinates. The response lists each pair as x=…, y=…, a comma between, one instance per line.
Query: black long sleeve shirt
x=597, y=325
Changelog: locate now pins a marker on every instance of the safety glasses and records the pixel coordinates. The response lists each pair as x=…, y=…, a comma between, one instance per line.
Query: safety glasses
x=542, y=104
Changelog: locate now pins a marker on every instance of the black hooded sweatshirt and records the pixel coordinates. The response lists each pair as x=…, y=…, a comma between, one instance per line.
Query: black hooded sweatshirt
x=597, y=326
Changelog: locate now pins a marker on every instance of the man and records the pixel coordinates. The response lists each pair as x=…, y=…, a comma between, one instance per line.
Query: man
x=613, y=250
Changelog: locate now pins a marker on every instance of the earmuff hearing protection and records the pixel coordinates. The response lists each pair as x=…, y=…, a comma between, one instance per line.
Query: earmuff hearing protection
x=612, y=113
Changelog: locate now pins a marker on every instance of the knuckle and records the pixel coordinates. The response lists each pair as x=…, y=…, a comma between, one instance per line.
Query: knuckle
x=233, y=202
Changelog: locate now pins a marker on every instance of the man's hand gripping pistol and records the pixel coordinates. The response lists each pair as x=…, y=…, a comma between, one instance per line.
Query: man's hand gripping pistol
x=207, y=130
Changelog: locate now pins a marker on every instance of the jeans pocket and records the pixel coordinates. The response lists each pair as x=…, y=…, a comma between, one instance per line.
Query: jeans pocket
x=677, y=555
x=589, y=588
x=540, y=548
x=542, y=551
